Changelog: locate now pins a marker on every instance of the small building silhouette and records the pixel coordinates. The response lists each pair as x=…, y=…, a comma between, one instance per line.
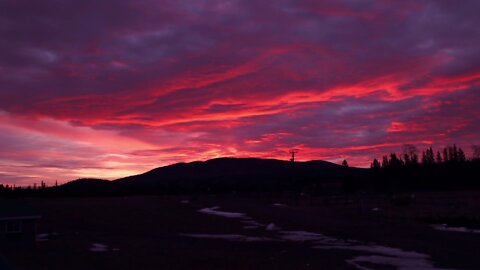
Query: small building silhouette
x=17, y=223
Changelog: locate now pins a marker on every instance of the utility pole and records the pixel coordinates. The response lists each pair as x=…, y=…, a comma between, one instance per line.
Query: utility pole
x=293, y=152
x=295, y=185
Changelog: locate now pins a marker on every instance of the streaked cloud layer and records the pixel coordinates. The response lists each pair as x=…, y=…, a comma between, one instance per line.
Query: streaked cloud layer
x=112, y=88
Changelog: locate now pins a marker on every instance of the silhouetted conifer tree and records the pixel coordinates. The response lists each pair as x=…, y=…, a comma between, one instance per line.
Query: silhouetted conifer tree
x=455, y=153
x=430, y=156
x=385, y=162
x=375, y=164
x=445, y=155
x=439, y=157
x=395, y=162
x=406, y=157
x=347, y=183
x=461, y=155
x=415, y=159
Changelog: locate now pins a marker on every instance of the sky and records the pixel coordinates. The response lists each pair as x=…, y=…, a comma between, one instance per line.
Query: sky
x=117, y=87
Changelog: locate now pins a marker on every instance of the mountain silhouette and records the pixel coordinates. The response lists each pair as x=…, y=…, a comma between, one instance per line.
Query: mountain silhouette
x=222, y=174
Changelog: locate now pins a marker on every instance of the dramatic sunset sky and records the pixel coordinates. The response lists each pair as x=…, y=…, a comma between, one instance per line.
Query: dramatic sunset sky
x=117, y=87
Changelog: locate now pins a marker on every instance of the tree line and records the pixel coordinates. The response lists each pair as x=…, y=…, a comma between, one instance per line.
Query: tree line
x=449, y=155
x=444, y=169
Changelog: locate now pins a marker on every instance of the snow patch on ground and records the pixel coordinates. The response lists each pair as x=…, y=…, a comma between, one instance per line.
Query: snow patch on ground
x=303, y=236
x=398, y=263
x=377, y=255
x=381, y=255
x=97, y=247
x=444, y=227
x=45, y=236
x=42, y=237
x=214, y=211
x=231, y=237
x=248, y=221
x=272, y=227
x=251, y=224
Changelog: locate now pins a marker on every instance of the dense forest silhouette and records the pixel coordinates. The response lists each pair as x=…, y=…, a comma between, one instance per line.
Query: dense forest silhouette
x=448, y=169
x=411, y=170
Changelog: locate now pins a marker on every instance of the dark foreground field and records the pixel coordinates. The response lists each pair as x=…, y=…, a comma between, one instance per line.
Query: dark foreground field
x=249, y=232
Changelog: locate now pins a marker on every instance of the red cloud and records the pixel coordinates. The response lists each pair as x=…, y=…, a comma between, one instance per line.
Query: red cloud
x=142, y=86
x=404, y=127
